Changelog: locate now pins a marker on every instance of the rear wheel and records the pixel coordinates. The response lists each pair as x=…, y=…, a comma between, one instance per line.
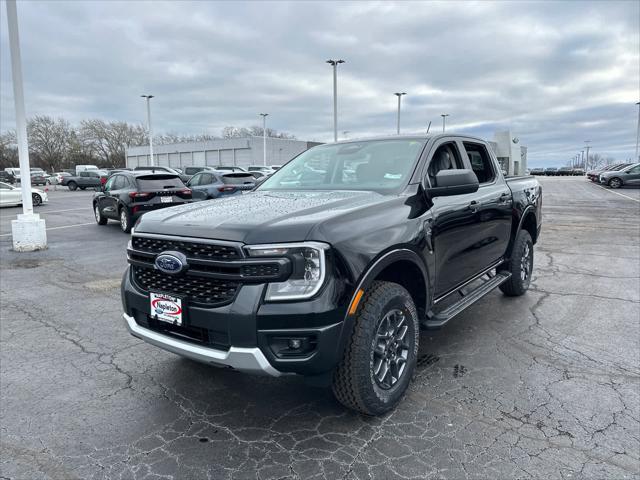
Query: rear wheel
x=100, y=219
x=125, y=220
x=380, y=357
x=72, y=186
x=615, y=182
x=520, y=266
x=36, y=199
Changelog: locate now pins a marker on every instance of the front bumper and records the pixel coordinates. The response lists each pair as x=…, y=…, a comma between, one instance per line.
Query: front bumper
x=249, y=360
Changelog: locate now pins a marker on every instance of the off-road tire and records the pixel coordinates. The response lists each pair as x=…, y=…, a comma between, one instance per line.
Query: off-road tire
x=517, y=285
x=125, y=220
x=100, y=219
x=353, y=382
x=72, y=186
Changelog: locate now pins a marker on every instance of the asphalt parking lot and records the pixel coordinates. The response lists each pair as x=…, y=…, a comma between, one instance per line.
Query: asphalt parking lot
x=541, y=386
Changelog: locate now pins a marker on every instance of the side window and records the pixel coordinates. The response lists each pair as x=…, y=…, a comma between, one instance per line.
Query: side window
x=4, y=186
x=206, y=179
x=481, y=163
x=195, y=180
x=446, y=157
x=84, y=174
x=109, y=185
x=635, y=169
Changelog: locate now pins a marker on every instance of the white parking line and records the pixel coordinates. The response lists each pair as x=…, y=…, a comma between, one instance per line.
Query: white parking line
x=618, y=193
x=57, y=228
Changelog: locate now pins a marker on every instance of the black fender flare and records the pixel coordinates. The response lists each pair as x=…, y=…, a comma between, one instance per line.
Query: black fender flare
x=514, y=233
x=381, y=262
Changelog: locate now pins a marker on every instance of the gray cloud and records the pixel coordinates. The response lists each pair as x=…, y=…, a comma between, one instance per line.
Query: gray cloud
x=557, y=73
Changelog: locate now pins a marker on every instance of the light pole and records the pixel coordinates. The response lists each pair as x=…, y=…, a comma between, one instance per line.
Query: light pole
x=149, y=97
x=638, y=133
x=334, y=64
x=264, y=138
x=399, y=95
x=586, y=160
x=28, y=231
x=582, y=161
x=444, y=117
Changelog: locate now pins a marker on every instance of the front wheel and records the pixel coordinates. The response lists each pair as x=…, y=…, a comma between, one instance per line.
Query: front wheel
x=380, y=358
x=615, y=182
x=125, y=220
x=100, y=219
x=520, y=266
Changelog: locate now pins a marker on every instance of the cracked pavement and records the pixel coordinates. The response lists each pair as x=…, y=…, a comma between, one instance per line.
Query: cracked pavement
x=542, y=386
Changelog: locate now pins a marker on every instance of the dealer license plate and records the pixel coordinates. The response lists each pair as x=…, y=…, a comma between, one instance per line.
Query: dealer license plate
x=166, y=308
x=166, y=199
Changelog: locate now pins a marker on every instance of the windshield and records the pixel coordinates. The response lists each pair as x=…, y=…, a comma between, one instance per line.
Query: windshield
x=379, y=165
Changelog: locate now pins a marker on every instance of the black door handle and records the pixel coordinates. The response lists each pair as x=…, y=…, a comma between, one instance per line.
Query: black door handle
x=474, y=205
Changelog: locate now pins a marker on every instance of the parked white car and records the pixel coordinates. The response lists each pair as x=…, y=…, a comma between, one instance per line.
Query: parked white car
x=11, y=196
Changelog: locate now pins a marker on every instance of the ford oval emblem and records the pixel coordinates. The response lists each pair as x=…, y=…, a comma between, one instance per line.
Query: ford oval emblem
x=171, y=262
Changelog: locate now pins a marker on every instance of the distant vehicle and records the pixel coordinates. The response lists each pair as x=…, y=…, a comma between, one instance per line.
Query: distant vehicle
x=11, y=196
x=13, y=171
x=85, y=168
x=128, y=195
x=192, y=170
x=258, y=175
x=86, y=179
x=57, y=177
x=259, y=168
x=551, y=171
x=629, y=175
x=7, y=177
x=537, y=171
x=577, y=171
x=230, y=168
x=38, y=178
x=162, y=169
x=207, y=185
x=565, y=171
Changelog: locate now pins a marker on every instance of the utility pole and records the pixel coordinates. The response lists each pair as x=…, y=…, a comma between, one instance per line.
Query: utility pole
x=638, y=134
x=428, y=127
x=149, y=97
x=582, y=161
x=586, y=160
x=264, y=138
x=444, y=116
x=399, y=95
x=335, y=63
x=28, y=231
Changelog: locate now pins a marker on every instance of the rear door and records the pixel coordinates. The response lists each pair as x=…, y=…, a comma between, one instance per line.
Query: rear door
x=198, y=190
x=633, y=176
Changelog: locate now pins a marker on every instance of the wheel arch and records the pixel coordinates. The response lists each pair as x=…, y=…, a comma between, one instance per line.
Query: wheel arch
x=529, y=222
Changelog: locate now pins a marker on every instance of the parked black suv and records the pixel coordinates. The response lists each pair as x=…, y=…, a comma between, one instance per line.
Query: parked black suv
x=127, y=195
x=329, y=268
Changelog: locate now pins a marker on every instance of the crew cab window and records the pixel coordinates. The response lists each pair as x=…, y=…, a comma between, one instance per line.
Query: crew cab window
x=446, y=157
x=84, y=174
x=481, y=163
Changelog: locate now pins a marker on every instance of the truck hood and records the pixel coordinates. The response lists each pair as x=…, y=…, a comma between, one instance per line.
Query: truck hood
x=257, y=217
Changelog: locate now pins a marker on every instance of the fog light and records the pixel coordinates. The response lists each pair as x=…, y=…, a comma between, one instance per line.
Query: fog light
x=295, y=343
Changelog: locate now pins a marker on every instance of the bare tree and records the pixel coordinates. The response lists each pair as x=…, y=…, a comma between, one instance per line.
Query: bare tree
x=110, y=139
x=49, y=140
x=8, y=149
x=253, y=131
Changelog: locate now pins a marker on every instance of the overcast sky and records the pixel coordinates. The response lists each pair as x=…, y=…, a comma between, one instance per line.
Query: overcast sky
x=556, y=73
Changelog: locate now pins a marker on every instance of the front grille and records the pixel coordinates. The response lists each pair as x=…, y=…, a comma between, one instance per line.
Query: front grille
x=209, y=291
x=261, y=270
x=190, y=249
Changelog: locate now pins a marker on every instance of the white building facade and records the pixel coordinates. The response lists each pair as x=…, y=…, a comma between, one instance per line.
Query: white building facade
x=229, y=151
x=511, y=155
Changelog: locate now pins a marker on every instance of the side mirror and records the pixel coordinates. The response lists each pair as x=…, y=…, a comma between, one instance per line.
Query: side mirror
x=454, y=182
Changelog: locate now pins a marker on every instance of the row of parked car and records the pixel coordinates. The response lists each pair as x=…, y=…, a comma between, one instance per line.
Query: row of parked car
x=128, y=194
x=617, y=175
x=557, y=172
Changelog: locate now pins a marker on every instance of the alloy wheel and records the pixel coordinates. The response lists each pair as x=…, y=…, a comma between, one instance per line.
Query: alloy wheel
x=123, y=220
x=390, y=349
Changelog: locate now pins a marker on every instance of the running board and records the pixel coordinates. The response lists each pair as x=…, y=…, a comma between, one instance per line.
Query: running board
x=435, y=321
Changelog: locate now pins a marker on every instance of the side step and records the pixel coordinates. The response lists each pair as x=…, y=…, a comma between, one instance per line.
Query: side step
x=435, y=321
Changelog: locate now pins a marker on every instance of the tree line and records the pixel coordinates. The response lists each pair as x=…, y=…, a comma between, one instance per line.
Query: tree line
x=56, y=144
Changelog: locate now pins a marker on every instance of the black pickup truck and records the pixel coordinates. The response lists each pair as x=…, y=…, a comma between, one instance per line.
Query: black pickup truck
x=331, y=266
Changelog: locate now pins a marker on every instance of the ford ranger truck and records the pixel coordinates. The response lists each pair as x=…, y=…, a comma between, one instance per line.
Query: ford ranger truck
x=331, y=266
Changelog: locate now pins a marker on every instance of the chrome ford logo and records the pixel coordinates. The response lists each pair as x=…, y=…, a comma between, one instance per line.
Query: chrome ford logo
x=171, y=262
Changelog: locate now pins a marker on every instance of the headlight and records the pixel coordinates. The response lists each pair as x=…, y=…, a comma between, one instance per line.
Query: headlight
x=308, y=272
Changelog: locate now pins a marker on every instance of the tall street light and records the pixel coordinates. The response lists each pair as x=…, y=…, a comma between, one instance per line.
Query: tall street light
x=444, y=117
x=149, y=97
x=264, y=137
x=638, y=134
x=28, y=231
x=586, y=160
x=399, y=95
x=334, y=64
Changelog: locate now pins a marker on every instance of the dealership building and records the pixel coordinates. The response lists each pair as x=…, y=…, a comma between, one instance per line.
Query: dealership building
x=227, y=151
x=249, y=151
